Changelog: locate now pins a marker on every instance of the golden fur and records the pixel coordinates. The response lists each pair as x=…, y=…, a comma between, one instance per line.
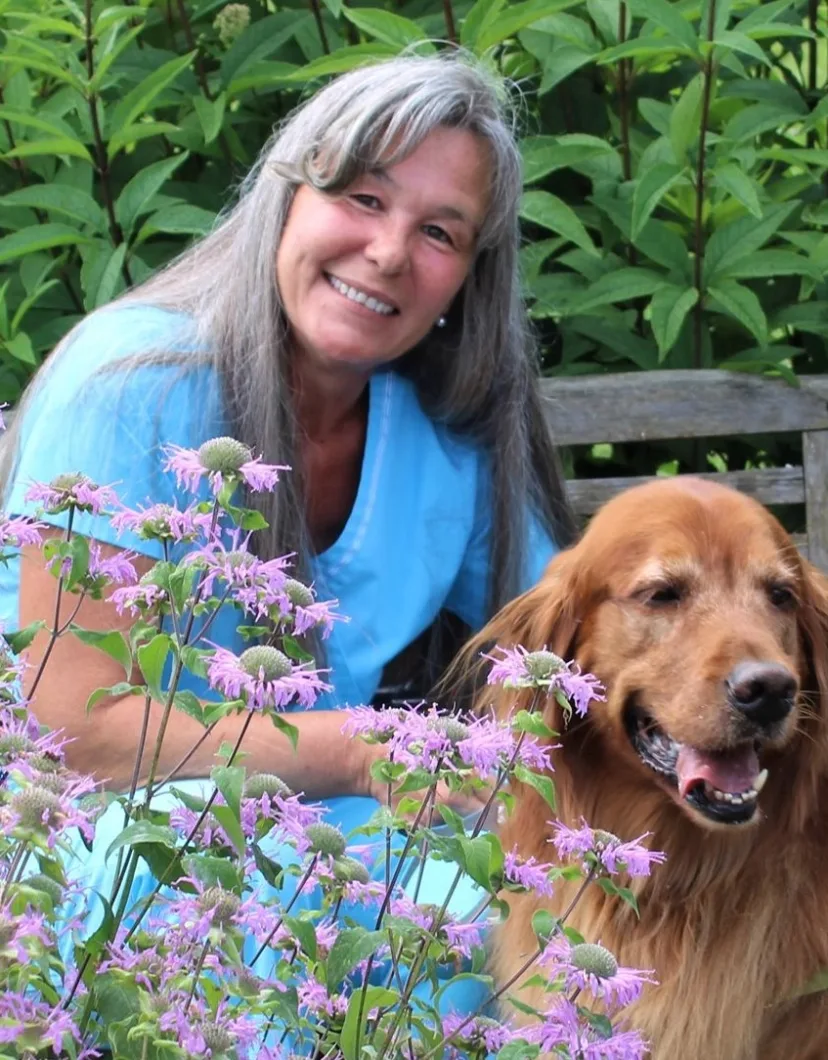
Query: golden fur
x=736, y=921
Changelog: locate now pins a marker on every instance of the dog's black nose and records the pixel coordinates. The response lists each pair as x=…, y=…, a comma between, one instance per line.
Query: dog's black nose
x=763, y=692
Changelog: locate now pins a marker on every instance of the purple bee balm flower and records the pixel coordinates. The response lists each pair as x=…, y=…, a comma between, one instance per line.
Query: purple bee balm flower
x=25, y=1015
x=459, y=938
x=471, y=1034
x=45, y=805
x=304, y=612
x=72, y=491
x=590, y=966
x=255, y=583
x=519, y=668
x=138, y=599
x=265, y=678
x=597, y=847
x=563, y=1028
x=314, y=998
x=18, y=531
x=528, y=873
x=163, y=522
x=23, y=936
x=117, y=569
x=204, y=1033
x=221, y=460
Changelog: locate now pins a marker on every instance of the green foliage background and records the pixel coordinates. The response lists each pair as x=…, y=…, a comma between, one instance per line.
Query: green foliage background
x=675, y=156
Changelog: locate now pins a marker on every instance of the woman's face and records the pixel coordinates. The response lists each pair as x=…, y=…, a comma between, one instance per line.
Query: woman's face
x=364, y=275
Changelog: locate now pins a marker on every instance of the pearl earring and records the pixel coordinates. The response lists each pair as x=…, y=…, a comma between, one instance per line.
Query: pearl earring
x=441, y=322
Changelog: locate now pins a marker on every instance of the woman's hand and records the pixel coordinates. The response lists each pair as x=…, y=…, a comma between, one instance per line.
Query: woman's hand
x=466, y=802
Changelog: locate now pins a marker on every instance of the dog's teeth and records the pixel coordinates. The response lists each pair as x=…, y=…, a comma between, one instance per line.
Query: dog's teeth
x=759, y=783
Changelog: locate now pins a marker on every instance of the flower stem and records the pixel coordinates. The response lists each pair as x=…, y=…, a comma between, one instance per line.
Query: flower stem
x=55, y=631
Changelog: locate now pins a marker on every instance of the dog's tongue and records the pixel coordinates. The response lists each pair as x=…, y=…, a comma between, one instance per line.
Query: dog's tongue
x=731, y=771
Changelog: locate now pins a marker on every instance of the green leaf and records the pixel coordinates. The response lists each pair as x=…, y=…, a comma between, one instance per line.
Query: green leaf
x=259, y=41
x=212, y=871
x=143, y=832
x=386, y=26
x=667, y=16
x=141, y=189
x=774, y=263
x=20, y=347
x=344, y=59
x=152, y=658
x=547, y=210
x=638, y=48
x=618, y=286
x=112, y=643
x=20, y=639
x=742, y=237
x=564, y=60
x=264, y=75
x=137, y=102
x=759, y=118
x=738, y=42
x=545, y=154
x=685, y=119
x=525, y=721
x=514, y=17
x=649, y=191
x=110, y=278
x=210, y=114
x=122, y=688
x=131, y=134
x=352, y=1028
x=38, y=237
x=230, y=781
x=668, y=310
x=542, y=784
x=180, y=219
x=188, y=703
x=742, y=304
x=733, y=179
x=481, y=14
x=58, y=198
x=352, y=946
x=272, y=874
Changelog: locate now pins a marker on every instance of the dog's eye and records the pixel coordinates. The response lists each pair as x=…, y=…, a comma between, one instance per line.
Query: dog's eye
x=661, y=595
x=781, y=596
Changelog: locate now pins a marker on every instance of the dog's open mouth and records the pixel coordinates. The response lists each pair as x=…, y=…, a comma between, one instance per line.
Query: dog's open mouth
x=722, y=785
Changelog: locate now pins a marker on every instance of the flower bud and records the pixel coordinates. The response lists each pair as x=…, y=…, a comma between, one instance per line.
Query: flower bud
x=231, y=22
x=224, y=904
x=350, y=870
x=269, y=662
x=224, y=455
x=325, y=839
x=13, y=744
x=452, y=728
x=35, y=807
x=45, y=884
x=593, y=959
x=298, y=594
x=265, y=784
x=543, y=665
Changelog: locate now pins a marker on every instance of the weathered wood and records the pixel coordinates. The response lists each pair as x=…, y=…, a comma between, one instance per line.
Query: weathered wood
x=773, y=485
x=648, y=406
x=815, y=461
x=801, y=542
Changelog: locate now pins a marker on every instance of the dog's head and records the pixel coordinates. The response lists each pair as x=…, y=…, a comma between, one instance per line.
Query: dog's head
x=692, y=605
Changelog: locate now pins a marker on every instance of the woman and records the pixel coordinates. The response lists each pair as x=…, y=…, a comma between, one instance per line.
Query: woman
x=356, y=316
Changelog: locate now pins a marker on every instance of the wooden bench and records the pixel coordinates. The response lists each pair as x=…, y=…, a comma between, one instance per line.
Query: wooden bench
x=655, y=406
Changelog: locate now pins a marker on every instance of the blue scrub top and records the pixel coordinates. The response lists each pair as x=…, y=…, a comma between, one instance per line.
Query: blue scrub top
x=417, y=538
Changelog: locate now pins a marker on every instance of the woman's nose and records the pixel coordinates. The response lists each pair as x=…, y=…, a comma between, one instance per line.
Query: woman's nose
x=388, y=249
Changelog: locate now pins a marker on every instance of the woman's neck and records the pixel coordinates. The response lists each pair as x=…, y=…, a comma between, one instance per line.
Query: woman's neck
x=326, y=401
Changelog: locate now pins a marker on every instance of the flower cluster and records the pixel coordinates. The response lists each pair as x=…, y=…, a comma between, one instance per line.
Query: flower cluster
x=237, y=919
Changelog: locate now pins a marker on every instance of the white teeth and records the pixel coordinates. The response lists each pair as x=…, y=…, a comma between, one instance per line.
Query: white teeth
x=737, y=798
x=360, y=296
x=759, y=783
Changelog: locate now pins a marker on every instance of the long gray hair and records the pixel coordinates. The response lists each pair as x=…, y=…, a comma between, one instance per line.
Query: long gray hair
x=478, y=374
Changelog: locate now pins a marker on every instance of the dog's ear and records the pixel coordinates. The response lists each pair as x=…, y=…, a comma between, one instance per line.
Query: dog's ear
x=547, y=616
x=814, y=631
x=812, y=767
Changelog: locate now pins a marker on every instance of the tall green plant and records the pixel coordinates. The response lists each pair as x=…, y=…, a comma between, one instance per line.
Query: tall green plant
x=675, y=203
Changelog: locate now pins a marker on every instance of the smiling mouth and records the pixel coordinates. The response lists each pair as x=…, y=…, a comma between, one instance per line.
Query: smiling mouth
x=354, y=294
x=722, y=785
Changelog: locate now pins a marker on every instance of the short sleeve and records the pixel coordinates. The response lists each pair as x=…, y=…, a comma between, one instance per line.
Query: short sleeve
x=98, y=414
x=470, y=592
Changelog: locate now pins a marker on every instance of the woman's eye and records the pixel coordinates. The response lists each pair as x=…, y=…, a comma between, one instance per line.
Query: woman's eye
x=438, y=233
x=371, y=201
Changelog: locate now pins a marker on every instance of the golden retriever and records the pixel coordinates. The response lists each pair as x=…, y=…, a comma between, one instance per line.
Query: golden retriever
x=692, y=605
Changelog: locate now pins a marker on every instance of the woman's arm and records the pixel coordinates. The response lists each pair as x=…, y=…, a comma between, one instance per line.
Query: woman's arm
x=105, y=741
